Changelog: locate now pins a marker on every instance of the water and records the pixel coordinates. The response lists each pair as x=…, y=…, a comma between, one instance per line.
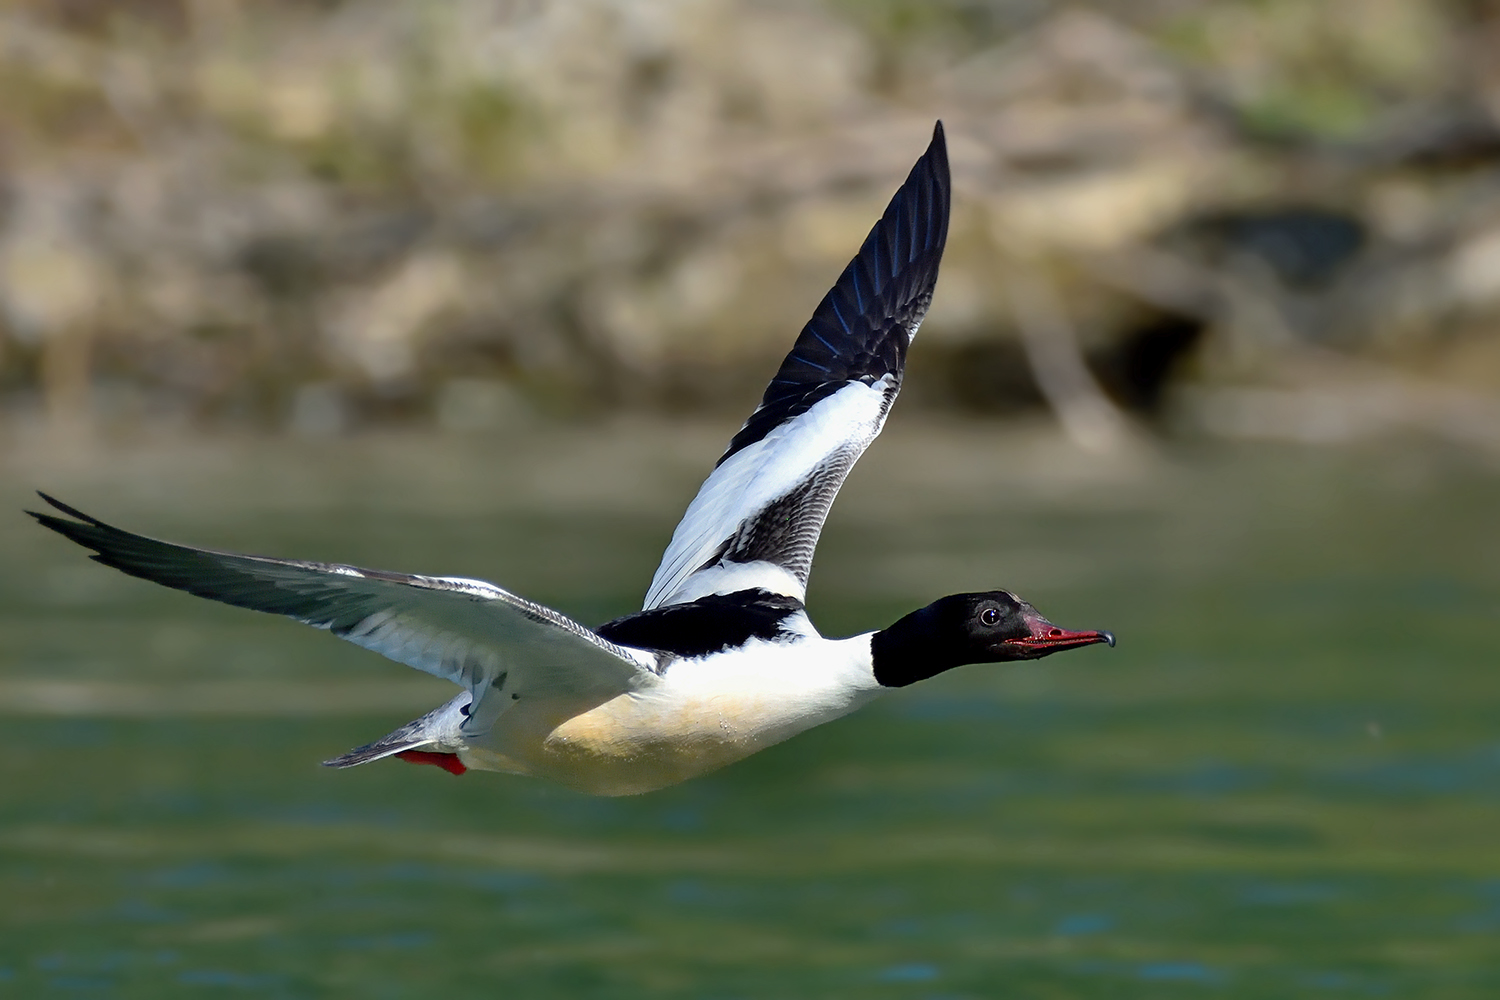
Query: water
x=1285, y=781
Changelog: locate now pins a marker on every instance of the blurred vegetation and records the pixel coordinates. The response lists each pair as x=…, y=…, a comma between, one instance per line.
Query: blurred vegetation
x=1268, y=219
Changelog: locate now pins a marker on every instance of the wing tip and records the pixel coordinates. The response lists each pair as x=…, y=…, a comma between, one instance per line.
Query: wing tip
x=936, y=160
x=921, y=207
x=72, y=512
x=70, y=527
x=938, y=147
x=44, y=517
x=63, y=525
x=78, y=527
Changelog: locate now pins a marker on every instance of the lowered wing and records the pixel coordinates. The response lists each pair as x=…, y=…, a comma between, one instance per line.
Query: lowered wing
x=756, y=519
x=500, y=647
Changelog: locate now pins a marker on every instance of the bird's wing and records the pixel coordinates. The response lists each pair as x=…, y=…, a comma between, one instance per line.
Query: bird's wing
x=501, y=647
x=756, y=520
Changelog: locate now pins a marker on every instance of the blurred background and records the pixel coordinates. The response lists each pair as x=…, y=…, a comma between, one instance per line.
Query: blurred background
x=484, y=288
x=1268, y=220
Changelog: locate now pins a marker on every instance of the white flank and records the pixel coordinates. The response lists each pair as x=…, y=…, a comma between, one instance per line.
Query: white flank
x=705, y=713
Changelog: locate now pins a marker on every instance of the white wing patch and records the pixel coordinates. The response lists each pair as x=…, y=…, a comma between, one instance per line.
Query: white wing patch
x=835, y=430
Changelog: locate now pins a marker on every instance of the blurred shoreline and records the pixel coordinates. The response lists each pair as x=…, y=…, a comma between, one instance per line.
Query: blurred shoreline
x=365, y=214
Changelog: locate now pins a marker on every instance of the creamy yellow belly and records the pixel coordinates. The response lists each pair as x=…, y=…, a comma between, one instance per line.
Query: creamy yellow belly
x=636, y=743
x=700, y=715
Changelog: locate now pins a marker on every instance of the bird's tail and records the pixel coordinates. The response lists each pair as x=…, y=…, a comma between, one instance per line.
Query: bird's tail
x=438, y=729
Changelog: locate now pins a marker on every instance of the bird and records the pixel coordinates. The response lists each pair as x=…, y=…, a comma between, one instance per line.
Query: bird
x=722, y=660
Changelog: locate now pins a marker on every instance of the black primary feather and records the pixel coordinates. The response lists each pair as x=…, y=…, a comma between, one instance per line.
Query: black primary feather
x=863, y=326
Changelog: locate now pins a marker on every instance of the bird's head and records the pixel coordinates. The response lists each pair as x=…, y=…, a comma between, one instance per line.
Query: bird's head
x=991, y=627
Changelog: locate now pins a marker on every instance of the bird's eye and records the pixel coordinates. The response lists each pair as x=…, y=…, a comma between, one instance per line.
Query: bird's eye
x=989, y=616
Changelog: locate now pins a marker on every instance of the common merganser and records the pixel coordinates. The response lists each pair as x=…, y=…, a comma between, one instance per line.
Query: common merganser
x=722, y=660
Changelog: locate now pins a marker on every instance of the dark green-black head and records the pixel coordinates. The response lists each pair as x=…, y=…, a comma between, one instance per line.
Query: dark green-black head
x=992, y=627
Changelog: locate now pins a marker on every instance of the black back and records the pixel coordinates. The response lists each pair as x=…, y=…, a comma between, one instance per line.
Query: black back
x=707, y=625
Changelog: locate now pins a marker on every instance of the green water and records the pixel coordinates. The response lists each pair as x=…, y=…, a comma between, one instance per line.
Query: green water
x=1285, y=781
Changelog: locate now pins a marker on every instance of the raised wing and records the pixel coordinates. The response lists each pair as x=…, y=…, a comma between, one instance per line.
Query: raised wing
x=756, y=520
x=500, y=647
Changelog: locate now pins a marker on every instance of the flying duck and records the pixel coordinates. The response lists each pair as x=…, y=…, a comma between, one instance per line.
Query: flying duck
x=722, y=660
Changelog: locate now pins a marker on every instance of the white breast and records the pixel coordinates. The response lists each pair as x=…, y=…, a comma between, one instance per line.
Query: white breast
x=705, y=713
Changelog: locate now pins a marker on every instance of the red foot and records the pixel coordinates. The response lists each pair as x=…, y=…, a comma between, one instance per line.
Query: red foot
x=447, y=761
